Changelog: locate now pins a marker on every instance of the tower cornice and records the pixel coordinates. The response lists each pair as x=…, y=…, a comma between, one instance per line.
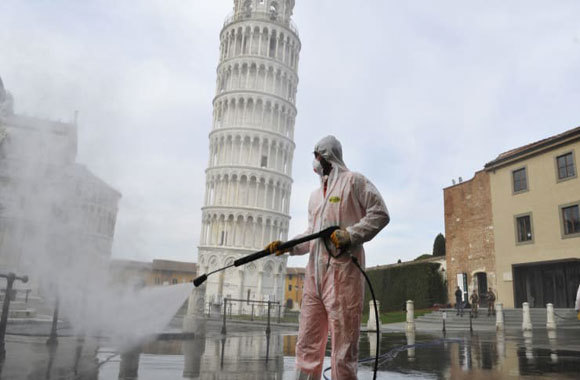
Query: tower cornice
x=254, y=93
x=222, y=209
x=218, y=131
x=253, y=169
x=250, y=57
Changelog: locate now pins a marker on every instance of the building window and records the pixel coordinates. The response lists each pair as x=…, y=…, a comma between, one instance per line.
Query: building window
x=565, y=165
x=289, y=277
x=520, y=180
x=174, y=281
x=571, y=220
x=264, y=162
x=290, y=287
x=524, y=228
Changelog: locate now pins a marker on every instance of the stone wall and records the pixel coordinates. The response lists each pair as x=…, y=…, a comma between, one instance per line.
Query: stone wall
x=469, y=232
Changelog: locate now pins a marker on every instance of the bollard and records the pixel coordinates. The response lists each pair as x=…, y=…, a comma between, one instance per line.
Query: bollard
x=499, y=325
x=410, y=334
x=550, y=321
x=527, y=321
x=224, y=325
x=410, y=316
x=372, y=322
x=529, y=344
x=552, y=337
x=444, y=317
x=500, y=344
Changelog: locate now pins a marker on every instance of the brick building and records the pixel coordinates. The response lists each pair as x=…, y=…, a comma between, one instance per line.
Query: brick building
x=469, y=236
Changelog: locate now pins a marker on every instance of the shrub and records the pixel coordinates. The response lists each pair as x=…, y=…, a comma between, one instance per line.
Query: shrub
x=419, y=282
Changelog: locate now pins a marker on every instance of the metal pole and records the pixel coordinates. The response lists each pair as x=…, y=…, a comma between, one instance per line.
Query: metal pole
x=224, y=325
x=53, y=338
x=5, y=308
x=268, y=326
x=252, y=318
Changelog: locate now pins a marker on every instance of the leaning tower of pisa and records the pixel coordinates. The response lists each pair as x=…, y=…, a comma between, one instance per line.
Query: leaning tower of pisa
x=249, y=174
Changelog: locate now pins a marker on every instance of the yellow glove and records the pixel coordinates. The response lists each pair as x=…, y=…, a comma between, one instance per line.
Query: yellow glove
x=340, y=238
x=273, y=248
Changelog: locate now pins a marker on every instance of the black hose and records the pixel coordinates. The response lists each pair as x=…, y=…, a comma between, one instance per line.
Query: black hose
x=355, y=261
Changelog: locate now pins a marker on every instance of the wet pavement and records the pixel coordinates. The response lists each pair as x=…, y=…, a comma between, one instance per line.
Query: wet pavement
x=252, y=355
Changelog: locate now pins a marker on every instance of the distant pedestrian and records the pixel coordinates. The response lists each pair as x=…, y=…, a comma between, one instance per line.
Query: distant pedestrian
x=459, y=301
x=490, y=302
x=474, y=299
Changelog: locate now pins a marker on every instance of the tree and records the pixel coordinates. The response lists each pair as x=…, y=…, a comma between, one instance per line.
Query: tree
x=439, y=246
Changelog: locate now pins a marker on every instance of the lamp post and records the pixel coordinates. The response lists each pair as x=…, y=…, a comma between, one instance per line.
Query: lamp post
x=10, y=278
x=53, y=338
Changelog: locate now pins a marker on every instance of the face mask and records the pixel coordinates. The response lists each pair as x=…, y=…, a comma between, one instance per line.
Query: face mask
x=317, y=167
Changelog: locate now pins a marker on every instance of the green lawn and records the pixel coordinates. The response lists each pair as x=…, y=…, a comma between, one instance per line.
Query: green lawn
x=396, y=316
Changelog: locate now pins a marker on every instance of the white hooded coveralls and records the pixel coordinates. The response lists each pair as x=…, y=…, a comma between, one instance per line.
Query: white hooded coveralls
x=334, y=288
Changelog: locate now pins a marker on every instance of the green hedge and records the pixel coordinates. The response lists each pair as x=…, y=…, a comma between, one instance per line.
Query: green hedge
x=419, y=282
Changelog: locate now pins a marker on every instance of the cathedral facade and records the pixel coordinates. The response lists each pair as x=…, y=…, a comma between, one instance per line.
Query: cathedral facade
x=54, y=213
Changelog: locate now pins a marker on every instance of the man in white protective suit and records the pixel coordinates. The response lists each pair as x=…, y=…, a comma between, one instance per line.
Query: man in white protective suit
x=334, y=287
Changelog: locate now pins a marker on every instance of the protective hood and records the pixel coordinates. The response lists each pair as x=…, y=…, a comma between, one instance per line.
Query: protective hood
x=331, y=149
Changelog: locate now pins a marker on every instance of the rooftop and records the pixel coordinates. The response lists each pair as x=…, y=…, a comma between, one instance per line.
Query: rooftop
x=176, y=266
x=295, y=271
x=533, y=148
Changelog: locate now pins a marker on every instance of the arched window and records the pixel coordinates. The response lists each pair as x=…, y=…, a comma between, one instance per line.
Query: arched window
x=272, y=52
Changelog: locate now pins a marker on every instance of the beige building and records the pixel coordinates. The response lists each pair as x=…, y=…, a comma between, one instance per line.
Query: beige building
x=294, y=288
x=158, y=272
x=535, y=193
x=515, y=226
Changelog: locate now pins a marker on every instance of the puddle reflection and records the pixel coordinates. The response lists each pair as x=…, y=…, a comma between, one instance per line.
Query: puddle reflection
x=495, y=356
x=254, y=356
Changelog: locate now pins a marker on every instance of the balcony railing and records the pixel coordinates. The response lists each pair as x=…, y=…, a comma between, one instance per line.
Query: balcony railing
x=272, y=17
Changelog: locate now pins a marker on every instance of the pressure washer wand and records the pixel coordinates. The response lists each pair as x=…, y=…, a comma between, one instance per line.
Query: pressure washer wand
x=325, y=234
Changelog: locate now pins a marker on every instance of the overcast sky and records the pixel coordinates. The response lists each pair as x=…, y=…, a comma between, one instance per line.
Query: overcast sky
x=419, y=92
